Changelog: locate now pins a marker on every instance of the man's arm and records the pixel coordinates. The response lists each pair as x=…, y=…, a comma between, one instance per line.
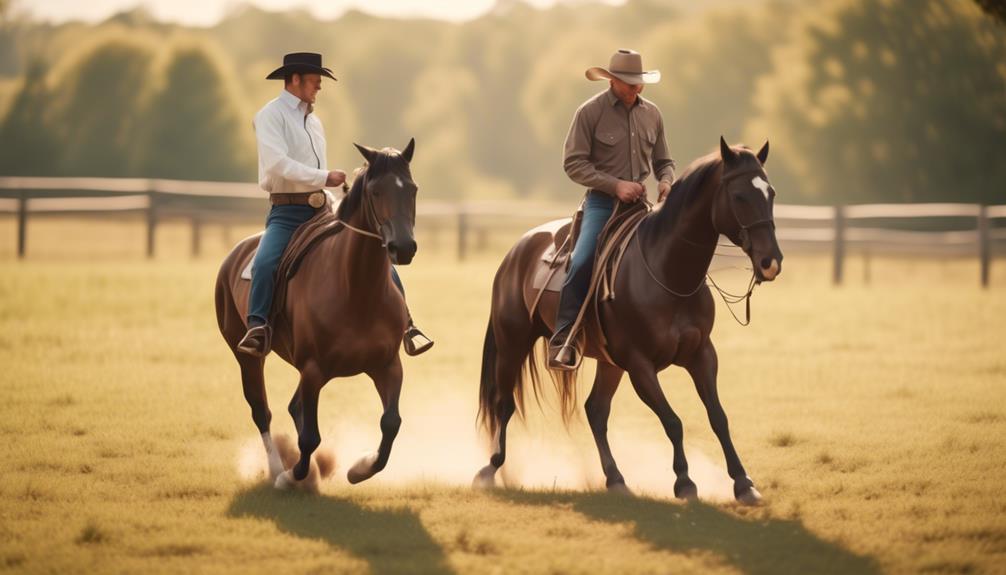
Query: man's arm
x=272, y=153
x=663, y=164
x=576, y=155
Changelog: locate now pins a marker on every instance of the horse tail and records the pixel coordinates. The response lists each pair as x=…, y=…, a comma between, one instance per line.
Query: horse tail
x=565, y=387
x=489, y=415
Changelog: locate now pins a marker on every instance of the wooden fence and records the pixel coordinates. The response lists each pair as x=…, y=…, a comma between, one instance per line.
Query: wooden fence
x=869, y=228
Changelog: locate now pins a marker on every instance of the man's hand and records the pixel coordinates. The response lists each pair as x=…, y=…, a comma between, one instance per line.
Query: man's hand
x=663, y=188
x=335, y=178
x=629, y=192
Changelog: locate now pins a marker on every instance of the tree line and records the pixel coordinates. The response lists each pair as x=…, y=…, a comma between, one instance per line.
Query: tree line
x=863, y=100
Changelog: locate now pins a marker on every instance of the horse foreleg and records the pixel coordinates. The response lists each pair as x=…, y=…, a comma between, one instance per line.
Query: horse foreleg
x=308, y=437
x=704, y=372
x=389, y=386
x=598, y=407
x=296, y=410
x=253, y=382
x=644, y=381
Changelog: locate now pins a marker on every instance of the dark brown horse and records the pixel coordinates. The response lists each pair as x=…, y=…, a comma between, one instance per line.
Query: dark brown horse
x=662, y=315
x=342, y=316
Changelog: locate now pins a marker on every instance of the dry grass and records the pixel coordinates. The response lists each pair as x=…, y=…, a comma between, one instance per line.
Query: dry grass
x=871, y=418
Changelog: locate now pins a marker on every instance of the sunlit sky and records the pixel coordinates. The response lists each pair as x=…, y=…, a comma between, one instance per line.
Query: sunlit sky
x=209, y=12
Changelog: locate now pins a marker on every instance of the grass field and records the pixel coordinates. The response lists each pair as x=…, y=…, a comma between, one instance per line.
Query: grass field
x=872, y=418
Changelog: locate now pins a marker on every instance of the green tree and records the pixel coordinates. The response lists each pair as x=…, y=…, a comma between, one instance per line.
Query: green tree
x=890, y=100
x=29, y=146
x=100, y=105
x=193, y=128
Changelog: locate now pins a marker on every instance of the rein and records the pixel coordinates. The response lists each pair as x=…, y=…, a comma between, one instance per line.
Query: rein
x=370, y=214
x=728, y=298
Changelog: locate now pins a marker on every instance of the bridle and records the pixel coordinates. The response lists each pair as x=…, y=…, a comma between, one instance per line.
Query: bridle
x=745, y=234
x=369, y=214
x=745, y=237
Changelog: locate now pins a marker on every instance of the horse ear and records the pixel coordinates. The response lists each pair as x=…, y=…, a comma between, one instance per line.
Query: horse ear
x=726, y=153
x=368, y=153
x=407, y=153
x=763, y=153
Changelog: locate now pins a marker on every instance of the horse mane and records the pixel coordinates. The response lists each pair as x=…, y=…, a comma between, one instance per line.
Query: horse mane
x=384, y=162
x=686, y=188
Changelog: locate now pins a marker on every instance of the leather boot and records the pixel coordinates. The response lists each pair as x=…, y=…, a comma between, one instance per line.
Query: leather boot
x=257, y=341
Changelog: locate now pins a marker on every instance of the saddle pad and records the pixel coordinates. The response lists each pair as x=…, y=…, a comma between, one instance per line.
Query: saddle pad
x=246, y=273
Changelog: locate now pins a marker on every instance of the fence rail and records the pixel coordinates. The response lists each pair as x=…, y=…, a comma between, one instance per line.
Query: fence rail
x=837, y=228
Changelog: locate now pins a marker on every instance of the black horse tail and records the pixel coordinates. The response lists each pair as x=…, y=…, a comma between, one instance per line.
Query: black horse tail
x=494, y=395
x=489, y=415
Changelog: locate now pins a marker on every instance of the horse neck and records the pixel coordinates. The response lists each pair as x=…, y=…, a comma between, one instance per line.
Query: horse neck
x=681, y=245
x=366, y=257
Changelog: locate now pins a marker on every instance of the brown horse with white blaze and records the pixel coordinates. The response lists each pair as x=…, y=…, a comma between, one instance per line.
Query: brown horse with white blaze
x=342, y=314
x=662, y=315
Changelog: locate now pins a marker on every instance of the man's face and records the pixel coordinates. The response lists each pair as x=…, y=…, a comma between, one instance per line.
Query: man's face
x=306, y=86
x=626, y=92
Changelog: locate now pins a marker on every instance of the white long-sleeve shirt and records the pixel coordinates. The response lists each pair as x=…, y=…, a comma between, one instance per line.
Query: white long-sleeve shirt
x=291, y=147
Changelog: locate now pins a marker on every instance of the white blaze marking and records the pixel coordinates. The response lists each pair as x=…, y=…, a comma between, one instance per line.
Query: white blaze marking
x=761, y=184
x=399, y=182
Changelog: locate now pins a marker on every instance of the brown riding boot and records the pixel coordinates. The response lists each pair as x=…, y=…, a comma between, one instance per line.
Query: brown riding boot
x=415, y=342
x=257, y=341
x=563, y=356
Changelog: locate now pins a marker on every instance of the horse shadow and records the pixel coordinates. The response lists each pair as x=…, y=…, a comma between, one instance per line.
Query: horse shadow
x=390, y=540
x=755, y=547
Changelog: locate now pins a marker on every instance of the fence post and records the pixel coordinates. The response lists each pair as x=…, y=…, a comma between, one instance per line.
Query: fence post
x=197, y=235
x=22, y=223
x=462, y=233
x=984, y=253
x=836, y=277
x=151, y=222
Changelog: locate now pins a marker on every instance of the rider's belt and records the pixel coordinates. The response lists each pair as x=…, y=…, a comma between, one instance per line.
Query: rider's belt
x=313, y=199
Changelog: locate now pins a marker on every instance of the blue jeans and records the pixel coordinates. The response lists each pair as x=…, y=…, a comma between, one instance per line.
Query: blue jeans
x=282, y=222
x=597, y=208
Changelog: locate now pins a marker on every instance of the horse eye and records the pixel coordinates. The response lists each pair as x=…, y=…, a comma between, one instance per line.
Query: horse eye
x=741, y=198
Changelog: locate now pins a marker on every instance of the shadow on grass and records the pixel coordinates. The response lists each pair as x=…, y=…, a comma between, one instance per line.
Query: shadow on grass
x=390, y=540
x=756, y=547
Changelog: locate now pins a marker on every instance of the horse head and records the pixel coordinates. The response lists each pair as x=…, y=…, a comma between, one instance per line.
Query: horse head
x=389, y=194
x=742, y=209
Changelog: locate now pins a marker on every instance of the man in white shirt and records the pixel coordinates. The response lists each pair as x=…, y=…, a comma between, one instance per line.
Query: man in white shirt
x=293, y=169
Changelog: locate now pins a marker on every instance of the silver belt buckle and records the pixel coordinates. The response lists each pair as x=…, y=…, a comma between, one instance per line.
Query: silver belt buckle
x=316, y=200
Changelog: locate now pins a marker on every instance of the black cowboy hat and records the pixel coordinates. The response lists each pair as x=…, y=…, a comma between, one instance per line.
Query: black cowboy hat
x=300, y=63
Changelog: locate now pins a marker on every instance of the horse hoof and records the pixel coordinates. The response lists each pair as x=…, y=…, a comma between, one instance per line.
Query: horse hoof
x=620, y=489
x=749, y=496
x=285, y=481
x=485, y=478
x=275, y=468
x=686, y=490
x=363, y=469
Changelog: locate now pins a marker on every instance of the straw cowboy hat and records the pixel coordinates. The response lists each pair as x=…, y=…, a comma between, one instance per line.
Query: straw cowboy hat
x=300, y=63
x=627, y=66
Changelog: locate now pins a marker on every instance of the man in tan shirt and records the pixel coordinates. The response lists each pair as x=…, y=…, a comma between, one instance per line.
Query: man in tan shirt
x=614, y=139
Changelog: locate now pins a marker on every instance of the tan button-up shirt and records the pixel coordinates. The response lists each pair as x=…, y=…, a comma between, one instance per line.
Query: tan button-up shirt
x=607, y=143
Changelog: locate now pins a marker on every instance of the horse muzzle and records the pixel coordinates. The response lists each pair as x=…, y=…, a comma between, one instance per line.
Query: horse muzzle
x=401, y=253
x=768, y=269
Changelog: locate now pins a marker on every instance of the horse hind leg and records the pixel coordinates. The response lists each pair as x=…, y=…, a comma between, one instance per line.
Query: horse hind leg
x=598, y=408
x=389, y=386
x=253, y=382
x=505, y=359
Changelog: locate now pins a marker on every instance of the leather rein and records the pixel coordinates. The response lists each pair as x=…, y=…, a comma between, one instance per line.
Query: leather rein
x=369, y=214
